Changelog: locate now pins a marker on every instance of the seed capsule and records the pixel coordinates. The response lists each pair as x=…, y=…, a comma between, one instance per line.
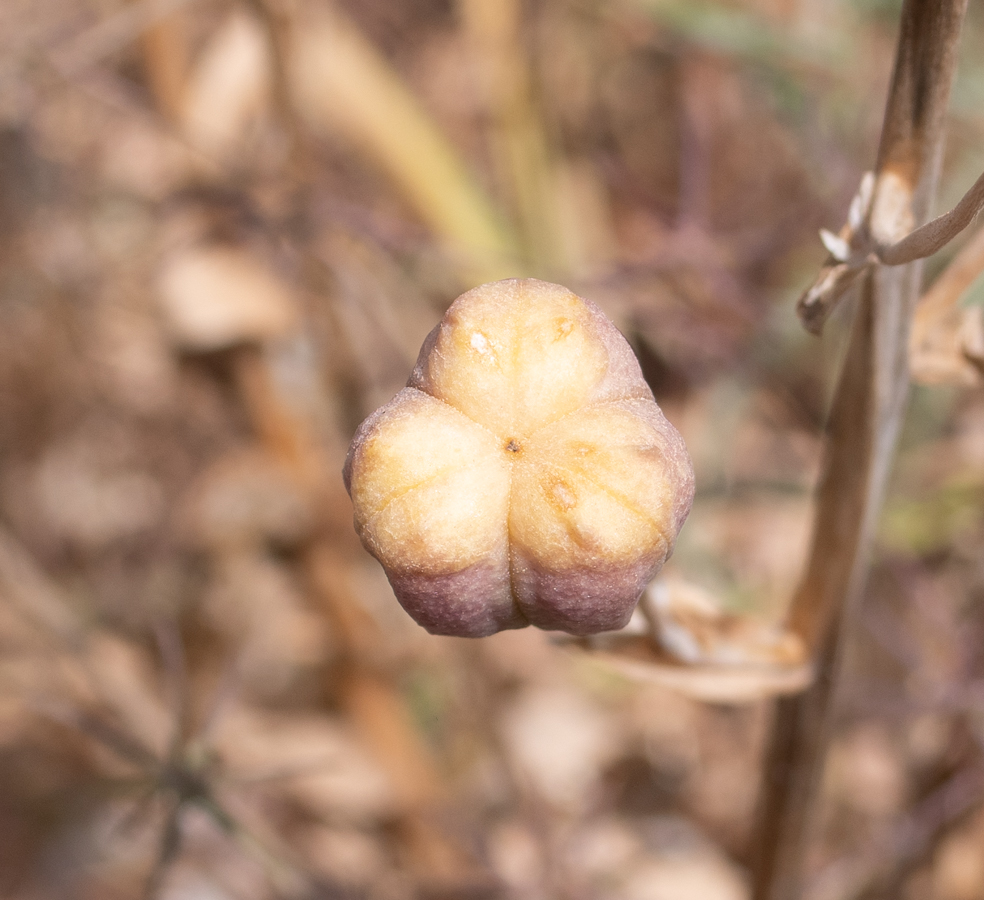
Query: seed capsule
x=525, y=475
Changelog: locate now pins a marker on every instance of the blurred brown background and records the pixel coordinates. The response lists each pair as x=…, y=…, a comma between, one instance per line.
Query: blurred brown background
x=225, y=228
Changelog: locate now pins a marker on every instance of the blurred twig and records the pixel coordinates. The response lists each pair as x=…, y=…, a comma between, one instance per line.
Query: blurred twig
x=184, y=776
x=864, y=424
x=927, y=239
x=166, y=52
x=80, y=698
x=520, y=147
x=947, y=342
x=859, y=246
x=29, y=593
x=116, y=31
x=343, y=86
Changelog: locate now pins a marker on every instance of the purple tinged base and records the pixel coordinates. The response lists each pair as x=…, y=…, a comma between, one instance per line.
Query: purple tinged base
x=583, y=600
x=479, y=601
x=474, y=602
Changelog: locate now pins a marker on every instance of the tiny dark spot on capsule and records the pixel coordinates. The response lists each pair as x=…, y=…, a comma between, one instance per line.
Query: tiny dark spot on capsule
x=512, y=445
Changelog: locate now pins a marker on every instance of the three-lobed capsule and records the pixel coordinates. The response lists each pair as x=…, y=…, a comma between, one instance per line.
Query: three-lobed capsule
x=525, y=475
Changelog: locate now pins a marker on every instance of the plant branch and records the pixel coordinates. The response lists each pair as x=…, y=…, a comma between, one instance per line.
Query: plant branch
x=935, y=235
x=862, y=431
x=855, y=249
x=947, y=341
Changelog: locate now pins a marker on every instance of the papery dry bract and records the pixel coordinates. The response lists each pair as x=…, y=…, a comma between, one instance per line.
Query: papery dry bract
x=525, y=476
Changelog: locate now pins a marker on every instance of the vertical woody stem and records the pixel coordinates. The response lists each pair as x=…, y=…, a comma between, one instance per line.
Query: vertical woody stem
x=864, y=424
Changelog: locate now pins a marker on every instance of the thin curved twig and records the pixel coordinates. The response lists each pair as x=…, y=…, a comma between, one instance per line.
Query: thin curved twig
x=855, y=249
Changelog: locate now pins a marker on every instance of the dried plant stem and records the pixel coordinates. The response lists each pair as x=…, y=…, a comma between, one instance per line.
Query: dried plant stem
x=947, y=341
x=935, y=235
x=166, y=51
x=944, y=296
x=864, y=424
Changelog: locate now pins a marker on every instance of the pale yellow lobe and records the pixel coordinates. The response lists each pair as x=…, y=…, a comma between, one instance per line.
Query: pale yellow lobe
x=430, y=487
x=616, y=447
x=576, y=491
x=517, y=357
x=445, y=524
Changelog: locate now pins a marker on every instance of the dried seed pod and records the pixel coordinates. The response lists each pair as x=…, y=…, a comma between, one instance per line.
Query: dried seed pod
x=525, y=475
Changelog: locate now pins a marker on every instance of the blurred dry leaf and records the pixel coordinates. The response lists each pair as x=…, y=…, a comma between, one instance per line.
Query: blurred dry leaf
x=347, y=855
x=958, y=866
x=680, y=638
x=310, y=757
x=516, y=856
x=865, y=771
x=257, y=603
x=132, y=355
x=245, y=500
x=29, y=597
x=342, y=85
x=76, y=54
x=604, y=847
x=64, y=671
x=148, y=160
x=91, y=499
x=229, y=88
x=120, y=676
x=635, y=659
x=217, y=297
x=559, y=742
x=683, y=300
x=691, y=627
x=705, y=874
